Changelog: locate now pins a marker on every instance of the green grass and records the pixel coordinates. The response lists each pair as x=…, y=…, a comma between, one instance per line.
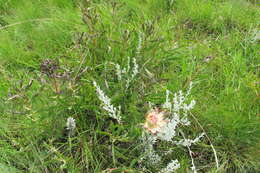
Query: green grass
x=177, y=37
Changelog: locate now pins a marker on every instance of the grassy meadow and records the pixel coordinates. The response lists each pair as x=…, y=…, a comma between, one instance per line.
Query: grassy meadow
x=51, y=51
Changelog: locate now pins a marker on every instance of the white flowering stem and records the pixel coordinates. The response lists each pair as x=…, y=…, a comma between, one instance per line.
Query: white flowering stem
x=135, y=71
x=139, y=46
x=189, y=90
x=113, y=112
x=71, y=125
x=193, y=168
x=171, y=167
x=118, y=72
x=135, y=68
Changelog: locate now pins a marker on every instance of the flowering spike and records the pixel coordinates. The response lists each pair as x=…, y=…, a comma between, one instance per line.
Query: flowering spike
x=113, y=112
x=71, y=125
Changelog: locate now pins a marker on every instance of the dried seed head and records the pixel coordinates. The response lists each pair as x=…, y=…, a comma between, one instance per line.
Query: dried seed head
x=49, y=66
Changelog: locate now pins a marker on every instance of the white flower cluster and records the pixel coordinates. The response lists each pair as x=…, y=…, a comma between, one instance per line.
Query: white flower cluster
x=153, y=157
x=189, y=142
x=171, y=167
x=135, y=69
x=168, y=131
x=119, y=72
x=167, y=104
x=150, y=155
x=125, y=71
x=178, y=111
x=71, y=125
x=113, y=112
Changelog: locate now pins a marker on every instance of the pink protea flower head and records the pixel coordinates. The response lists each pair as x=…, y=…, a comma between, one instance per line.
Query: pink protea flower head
x=155, y=120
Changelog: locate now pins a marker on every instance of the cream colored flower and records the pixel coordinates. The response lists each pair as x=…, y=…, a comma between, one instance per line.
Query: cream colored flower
x=155, y=120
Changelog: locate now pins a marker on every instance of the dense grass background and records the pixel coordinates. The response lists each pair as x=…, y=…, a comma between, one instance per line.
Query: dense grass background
x=213, y=43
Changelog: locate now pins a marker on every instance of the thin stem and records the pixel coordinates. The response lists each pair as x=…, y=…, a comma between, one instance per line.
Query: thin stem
x=25, y=21
x=211, y=145
x=113, y=153
x=190, y=153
